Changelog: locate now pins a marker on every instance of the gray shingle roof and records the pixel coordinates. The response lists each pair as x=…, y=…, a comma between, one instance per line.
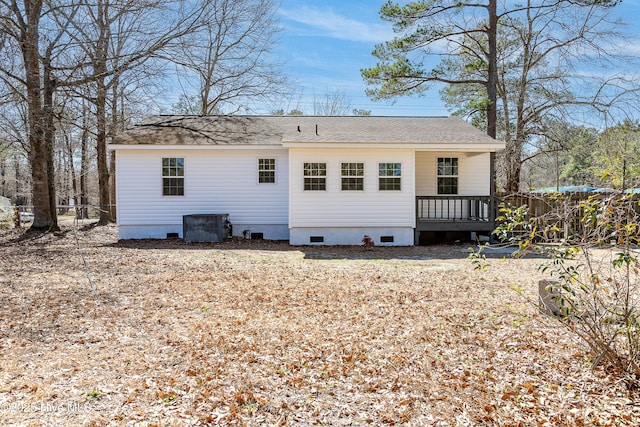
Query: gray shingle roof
x=274, y=130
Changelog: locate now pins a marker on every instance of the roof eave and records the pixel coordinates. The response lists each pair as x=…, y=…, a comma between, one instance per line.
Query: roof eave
x=441, y=146
x=464, y=147
x=116, y=147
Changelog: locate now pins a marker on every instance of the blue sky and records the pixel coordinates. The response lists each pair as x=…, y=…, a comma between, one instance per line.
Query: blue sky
x=325, y=44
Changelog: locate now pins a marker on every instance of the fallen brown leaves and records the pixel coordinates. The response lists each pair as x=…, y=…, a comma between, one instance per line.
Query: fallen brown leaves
x=268, y=334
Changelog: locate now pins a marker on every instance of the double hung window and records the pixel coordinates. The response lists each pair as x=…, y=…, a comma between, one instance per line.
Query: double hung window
x=173, y=176
x=352, y=176
x=315, y=176
x=447, y=175
x=389, y=176
x=266, y=171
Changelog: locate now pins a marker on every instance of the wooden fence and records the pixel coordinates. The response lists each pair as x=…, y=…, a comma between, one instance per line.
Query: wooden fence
x=561, y=216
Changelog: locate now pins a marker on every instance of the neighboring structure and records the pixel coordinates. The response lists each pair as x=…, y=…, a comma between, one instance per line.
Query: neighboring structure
x=6, y=211
x=306, y=179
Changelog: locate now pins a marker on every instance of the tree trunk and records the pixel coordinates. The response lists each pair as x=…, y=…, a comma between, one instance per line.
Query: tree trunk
x=72, y=172
x=3, y=181
x=84, y=164
x=63, y=166
x=513, y=165
x=40, y=150
x=43, y=217
x=101, y=149
x=515, y=145
x=513, y=180
x=100, y=70
x=112, y=186
x=117, y=126
x=18, y=197
x=49, y=135
x=492, y=78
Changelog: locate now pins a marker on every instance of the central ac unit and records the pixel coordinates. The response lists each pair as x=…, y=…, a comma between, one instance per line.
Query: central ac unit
x=206, y=228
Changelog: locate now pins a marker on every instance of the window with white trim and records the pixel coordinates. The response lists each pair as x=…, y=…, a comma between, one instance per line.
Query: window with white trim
x=389, y=176
x=266, y=171
x=447, y=175
x=315, y=176
x=173, y=176
x=352, y=175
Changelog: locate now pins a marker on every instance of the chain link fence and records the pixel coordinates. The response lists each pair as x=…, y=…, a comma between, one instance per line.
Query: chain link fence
x=22, y=216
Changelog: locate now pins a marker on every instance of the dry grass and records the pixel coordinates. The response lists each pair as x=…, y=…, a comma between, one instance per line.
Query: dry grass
x=268, y=334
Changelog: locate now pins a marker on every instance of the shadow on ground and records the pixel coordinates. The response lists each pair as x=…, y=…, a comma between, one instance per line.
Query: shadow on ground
x=438, y=251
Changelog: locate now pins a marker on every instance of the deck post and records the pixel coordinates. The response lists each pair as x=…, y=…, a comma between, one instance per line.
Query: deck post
x=493, y=206
x=492, y=171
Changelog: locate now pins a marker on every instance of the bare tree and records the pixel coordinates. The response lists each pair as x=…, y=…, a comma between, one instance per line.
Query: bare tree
x=116, y=38
x=22, y=23
x=334, y=103
x=537, y=82
x=467, y=35
x=331, y=103
x=82, y=43
x=229, y=56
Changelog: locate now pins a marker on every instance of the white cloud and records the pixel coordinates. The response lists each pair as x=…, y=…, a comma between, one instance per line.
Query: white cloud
x=629, y=47
x=327, y=23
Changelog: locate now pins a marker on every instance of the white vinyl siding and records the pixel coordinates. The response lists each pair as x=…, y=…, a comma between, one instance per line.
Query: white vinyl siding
x=216, y=181
x=473, y=173
x=337, y=208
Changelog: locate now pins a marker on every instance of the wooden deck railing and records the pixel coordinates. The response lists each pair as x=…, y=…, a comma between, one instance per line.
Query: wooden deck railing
x=456, y=208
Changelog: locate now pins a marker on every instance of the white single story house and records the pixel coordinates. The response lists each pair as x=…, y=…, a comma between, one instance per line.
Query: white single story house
x=306, y=179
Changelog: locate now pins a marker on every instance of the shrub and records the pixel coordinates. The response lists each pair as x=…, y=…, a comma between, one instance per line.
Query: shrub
x=597, y=270
x=367, y=242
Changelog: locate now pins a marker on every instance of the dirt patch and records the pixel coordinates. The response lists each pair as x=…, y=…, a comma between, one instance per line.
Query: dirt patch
x=261, y=333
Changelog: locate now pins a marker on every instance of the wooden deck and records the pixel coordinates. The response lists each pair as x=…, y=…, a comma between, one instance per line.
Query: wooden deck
x=455, y=213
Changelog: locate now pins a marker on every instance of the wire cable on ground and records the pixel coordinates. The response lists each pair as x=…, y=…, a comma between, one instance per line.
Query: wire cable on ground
x=84, y=260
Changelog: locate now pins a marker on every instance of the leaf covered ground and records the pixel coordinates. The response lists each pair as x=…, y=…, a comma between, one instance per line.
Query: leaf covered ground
x=258, y=333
